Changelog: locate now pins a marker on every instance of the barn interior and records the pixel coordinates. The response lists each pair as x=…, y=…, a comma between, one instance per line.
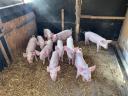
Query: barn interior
x=21, y=19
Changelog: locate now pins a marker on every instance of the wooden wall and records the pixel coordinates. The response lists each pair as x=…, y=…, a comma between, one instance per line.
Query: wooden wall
x=18, y=31
x=123, y=39
x=16, y=28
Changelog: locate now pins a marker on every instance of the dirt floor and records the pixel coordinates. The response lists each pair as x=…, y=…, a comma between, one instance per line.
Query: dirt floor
x=22, y=79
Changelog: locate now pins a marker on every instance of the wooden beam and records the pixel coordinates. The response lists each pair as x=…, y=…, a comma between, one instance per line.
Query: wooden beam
x=4, y=53
x=78, y=14
x=62, y=19
x=102, y=17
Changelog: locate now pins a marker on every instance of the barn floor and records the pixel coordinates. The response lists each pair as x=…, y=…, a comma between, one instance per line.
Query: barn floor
x=22, y=79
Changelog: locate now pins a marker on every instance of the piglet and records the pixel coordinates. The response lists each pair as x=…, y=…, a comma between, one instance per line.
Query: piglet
x=63, y=35
x=82, y=66
x=41, y=41
x=60, y=49
x=30, y=50
x=53, y=67
x=48, y=34
x=95, y=38
x=69, y=48
x=46, y=51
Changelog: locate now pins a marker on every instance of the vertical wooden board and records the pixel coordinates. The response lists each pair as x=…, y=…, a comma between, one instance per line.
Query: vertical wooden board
x=124, y=29
x=123, y=40
x=30, y=28
x=8, y=27
x=20, y=36
x=2, y=61
x=20, y=30
x=23, y=33
x=4, y=53
x=10, y=40
x=11, y=25
x=1, y=25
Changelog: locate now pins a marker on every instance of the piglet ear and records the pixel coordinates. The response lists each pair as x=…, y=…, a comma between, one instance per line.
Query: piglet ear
x=109, y=41
x=25, y=55
x=58, y=68
x=92, y=68
x=48, y=69
x=37, y=53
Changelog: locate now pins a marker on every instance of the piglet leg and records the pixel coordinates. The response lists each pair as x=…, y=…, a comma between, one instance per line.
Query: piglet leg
x=98, y=46
x=43, y=61
x=62, y=58
x=36, y=58
x=69, y=60
x=72, y=61
x=34, y=53
x=86, y=42
x=77, y=75
x=48, y=58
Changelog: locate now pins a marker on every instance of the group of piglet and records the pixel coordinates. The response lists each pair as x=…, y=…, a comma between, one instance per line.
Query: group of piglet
x=74, y=54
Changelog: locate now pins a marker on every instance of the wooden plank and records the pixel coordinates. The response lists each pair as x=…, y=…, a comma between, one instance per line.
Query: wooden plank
x=62, y=18
x=19, y=32
x=4, y=53
x=78, y=14
x=123, y=38
x=102, y=17
x=122, y=65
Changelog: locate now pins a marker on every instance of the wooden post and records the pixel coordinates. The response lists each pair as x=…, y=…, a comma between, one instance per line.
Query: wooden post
x=1, y=26
x=78, y=14
x=62, y=19
x=124, y=29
